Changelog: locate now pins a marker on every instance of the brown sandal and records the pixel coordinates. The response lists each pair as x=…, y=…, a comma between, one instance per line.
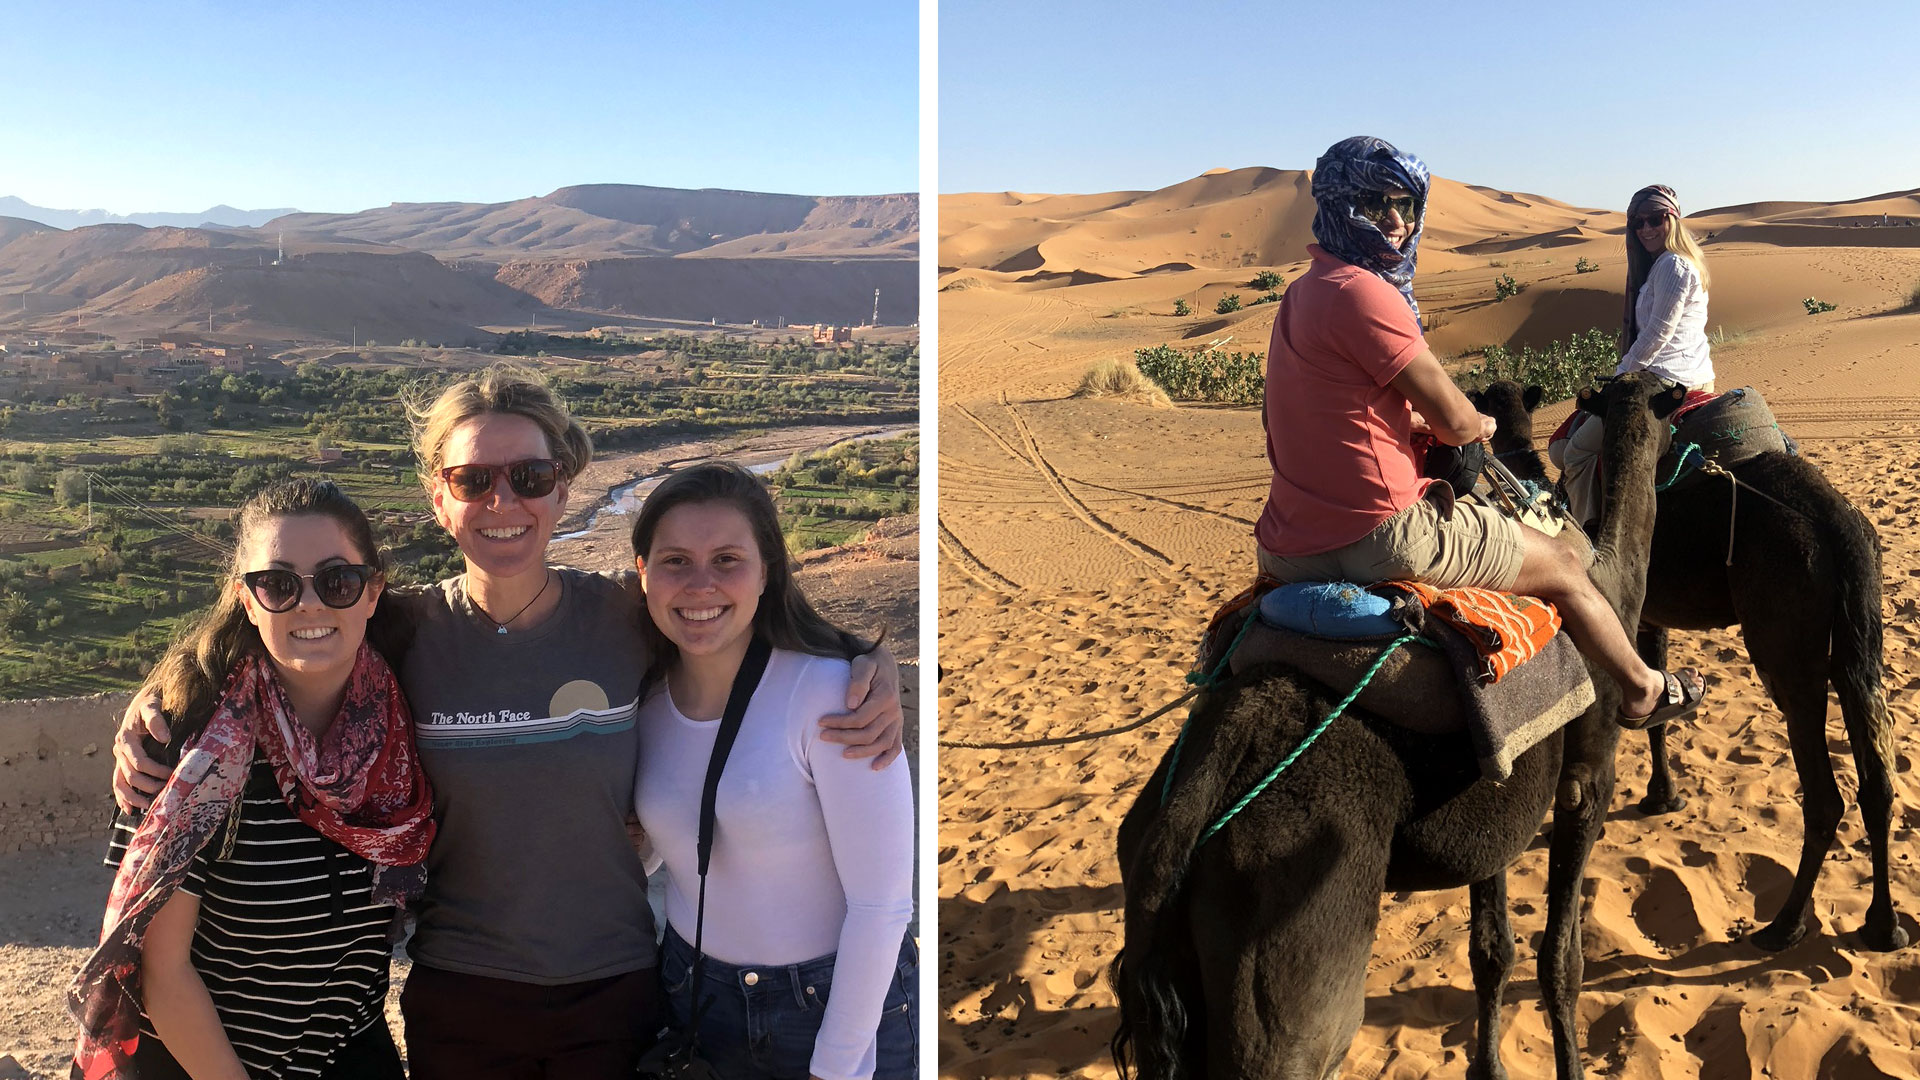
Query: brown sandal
x=1681, y=699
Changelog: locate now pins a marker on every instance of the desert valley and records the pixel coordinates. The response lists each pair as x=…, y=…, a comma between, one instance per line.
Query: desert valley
x=1086, y=540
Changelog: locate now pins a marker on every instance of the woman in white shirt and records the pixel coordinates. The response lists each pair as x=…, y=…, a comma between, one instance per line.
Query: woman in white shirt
x=1665, y=329
x=808, y=970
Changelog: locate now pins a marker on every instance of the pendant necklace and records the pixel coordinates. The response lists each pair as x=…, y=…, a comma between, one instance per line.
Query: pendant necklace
x=501, y=627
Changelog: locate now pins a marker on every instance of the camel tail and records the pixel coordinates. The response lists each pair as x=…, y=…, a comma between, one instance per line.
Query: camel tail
x=1857, y=657
x=1156, y=973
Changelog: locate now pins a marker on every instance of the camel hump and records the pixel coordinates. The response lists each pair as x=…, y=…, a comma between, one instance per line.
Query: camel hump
x=1726, y=429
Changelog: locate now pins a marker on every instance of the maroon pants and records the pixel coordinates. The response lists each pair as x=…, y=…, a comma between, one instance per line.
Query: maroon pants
x=470, y=1027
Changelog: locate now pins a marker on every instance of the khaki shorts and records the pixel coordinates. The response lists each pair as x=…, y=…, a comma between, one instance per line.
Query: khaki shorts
x=1436, y=540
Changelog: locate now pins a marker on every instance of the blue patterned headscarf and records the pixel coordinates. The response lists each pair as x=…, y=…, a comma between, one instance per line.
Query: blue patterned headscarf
x=1361, y=166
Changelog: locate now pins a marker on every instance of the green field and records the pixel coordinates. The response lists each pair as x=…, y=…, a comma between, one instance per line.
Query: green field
x=94, y=612
x=836, y=495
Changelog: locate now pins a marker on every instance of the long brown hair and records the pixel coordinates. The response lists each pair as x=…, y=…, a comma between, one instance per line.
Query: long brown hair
x=192, y=674
x=784, y=617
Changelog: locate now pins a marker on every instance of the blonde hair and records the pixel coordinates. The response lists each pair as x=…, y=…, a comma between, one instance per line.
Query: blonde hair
x=1680, y=241
x=503, y=389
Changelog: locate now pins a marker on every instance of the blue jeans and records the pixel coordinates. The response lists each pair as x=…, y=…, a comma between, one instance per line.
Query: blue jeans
x=760, y=1021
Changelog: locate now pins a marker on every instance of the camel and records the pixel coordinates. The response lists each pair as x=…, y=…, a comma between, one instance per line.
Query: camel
x=1246, y=955
x=1804, y=585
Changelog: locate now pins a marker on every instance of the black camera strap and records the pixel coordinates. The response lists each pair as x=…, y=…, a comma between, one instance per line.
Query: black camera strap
x=745, y=682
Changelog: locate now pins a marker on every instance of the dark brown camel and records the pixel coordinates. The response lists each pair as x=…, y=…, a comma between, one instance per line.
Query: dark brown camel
x=1246, y=956
x=1804, y=585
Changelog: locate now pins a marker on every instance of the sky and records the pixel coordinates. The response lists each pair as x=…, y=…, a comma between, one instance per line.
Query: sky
x=1725, y=102
x=132, y=106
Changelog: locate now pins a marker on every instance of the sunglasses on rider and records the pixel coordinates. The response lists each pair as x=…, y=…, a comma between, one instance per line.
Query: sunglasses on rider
x=529, y=479
x=338, y=586
x=1647, y=221
x=1375, y=206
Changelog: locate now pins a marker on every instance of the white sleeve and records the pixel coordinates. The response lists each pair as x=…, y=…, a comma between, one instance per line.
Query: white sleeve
x=869, y=819
x=1667, y=285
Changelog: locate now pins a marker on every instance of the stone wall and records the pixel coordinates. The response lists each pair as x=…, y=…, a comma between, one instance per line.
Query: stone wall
x=56, y=762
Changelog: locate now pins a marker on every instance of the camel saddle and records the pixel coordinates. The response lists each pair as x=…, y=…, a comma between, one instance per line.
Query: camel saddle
x=1418, y=687
x=1725, y=429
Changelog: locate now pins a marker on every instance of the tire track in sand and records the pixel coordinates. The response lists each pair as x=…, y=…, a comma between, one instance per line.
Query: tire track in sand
x=1138, y=550
x=971, y=564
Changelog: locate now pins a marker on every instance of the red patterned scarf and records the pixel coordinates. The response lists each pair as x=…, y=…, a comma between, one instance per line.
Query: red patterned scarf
x=359, y=784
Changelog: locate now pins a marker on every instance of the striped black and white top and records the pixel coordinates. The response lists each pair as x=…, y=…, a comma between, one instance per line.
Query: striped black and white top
x=291, y=947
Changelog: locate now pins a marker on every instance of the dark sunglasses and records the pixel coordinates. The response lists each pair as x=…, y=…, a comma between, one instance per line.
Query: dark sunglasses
x=338, y=586
x=1376, y=206
x=1640, y=222
x=529, y=479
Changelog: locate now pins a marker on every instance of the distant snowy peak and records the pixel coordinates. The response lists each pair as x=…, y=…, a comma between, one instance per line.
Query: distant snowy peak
x=13, y=206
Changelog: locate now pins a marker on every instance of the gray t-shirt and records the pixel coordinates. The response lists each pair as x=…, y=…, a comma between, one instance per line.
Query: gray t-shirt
x=529, y=740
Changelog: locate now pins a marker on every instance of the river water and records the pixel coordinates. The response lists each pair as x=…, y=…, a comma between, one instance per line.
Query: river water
x=626, y=498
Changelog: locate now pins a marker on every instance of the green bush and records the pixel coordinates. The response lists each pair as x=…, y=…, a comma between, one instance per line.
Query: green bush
x=1815, y=307
x=1267, y=280
x=1204, y=374
x=1586, y=266
x=1180, y=307
x=1560, y=370
x=1229, y=302
x=1504, y=286
x=1271, y=298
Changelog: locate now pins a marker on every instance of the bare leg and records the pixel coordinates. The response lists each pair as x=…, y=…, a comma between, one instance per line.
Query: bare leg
x=1552, y=573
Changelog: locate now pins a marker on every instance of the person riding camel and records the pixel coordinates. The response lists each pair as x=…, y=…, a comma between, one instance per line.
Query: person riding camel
x=1350, y=381
x=1664, y=331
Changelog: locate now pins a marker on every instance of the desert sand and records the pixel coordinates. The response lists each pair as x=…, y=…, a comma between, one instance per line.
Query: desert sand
x=1085, y=542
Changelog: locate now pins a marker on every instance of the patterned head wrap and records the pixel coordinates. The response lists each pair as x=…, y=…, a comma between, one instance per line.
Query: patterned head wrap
x=1354, y=168
x=1654, y=195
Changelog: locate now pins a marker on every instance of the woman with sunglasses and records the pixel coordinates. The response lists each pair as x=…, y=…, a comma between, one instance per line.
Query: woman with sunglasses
x=801, y=918
x=1664, y=330
x=1350, y=379
x=247, y=931
x=534, y=949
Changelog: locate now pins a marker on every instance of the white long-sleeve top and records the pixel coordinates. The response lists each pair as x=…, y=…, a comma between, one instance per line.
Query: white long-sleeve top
x=1672, y=314
x=812, y=851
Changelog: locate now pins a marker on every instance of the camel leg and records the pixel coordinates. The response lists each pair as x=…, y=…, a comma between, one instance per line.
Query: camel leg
x=1870, y=730
x=1579, y=812
x=1660, y=798
x=1802, y=696
x=1490, y=954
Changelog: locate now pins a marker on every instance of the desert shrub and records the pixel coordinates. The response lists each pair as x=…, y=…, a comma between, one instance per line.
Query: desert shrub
x=1181, y=307
x=1913, y=296
x=1586, y=266
x=1121, y=379
x=1560, y=370
x=1504, y=286
x=1271, y=298
x=1815, y=307
x=1204, y=374
x=1229, y=302
x=1267, y=281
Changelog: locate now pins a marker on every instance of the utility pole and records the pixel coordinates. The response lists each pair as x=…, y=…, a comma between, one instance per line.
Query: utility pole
x=876, y=308
x=89, y=502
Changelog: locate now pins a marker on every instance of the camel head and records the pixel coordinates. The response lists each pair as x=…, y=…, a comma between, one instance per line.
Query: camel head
x=1511, y=407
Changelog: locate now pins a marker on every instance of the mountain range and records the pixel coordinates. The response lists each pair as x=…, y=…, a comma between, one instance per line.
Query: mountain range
x=447, y=271
x=13, y=206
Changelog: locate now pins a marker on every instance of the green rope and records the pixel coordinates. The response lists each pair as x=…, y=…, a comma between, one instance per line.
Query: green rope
x=1378, y=662
x=1681, y=465
x=1203, y=680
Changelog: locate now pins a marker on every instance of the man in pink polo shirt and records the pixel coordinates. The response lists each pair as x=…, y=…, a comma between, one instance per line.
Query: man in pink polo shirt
x=1350, y=380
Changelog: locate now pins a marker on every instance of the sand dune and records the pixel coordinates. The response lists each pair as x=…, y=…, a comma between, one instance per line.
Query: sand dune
x=1085, y=542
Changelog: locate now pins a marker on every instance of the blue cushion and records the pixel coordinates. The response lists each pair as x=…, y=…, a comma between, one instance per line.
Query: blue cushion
x=1338, y=609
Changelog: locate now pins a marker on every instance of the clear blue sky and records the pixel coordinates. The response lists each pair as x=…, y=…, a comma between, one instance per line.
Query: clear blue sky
x=1726, y=102
x=131, y=105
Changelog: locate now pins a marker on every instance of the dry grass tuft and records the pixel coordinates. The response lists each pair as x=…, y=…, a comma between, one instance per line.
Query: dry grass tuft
x=1120, y=379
